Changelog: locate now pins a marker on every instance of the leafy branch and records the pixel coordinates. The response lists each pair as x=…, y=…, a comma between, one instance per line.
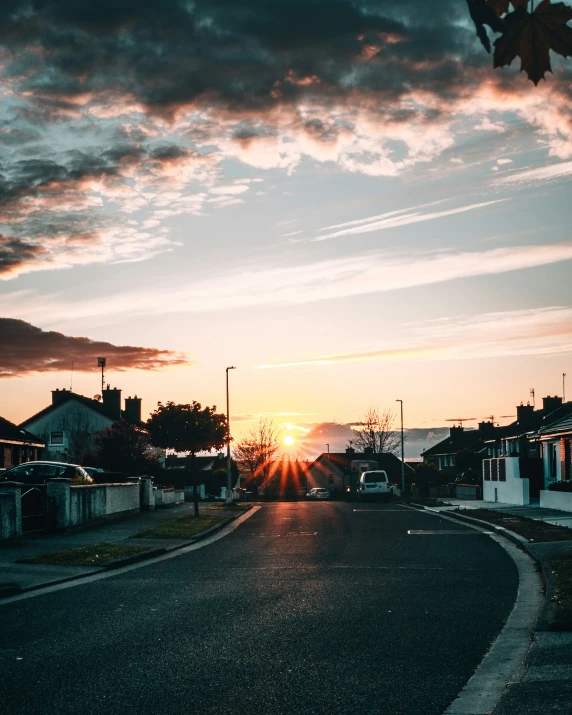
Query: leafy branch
x=528, y=34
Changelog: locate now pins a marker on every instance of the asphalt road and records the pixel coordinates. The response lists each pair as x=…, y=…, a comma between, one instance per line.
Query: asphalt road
x=306, y=608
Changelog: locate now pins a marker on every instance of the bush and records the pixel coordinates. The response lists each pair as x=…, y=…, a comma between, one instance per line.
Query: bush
x=561, y=486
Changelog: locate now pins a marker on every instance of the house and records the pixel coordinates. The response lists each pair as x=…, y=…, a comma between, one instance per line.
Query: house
x=333, y=470
x=555, y=439
x=461, y=450
x=68, y=425
x=17, y=445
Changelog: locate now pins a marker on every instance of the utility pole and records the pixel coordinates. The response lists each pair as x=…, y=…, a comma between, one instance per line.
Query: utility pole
x=101, y=361
x=402, y=453
x=228, y=465
x=563, y=387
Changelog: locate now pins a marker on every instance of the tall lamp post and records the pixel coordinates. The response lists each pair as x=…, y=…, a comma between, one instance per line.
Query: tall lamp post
x=402, y=453
x=228, y=472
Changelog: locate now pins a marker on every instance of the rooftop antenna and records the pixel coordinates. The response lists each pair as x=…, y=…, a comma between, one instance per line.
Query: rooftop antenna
x=101, y=362
x=460, y=420
x=532, y=396
x=563, y=387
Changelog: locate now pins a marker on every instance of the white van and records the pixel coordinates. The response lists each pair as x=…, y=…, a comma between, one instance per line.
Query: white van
x=374, y=483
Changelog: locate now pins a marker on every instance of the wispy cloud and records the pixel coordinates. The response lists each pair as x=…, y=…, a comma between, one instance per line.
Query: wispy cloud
x=540, y=331
x=298, y=284
x=394, y=219
x=541, y=174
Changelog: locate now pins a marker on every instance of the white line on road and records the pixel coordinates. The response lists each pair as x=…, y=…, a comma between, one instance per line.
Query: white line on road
x=225, y=531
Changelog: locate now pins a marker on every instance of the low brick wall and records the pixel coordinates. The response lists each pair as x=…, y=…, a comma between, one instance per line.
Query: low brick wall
x=168, y=497
x=121, y=498
x=9, y=528
x=87, y=503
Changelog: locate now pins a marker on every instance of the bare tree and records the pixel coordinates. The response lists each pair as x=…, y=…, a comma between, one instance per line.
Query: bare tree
x=377, y=432
x=255, y=451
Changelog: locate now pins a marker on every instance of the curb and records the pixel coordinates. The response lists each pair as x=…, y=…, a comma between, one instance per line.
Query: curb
x=14, y=589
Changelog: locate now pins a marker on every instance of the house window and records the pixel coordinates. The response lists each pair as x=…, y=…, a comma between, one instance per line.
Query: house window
x=56, y=437
x=552, y=455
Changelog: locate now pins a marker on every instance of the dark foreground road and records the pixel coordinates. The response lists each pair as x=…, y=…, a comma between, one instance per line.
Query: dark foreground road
x=306, y=608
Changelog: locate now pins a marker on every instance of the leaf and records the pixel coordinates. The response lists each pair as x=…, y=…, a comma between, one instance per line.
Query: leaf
x=532, y=36
x=483, y=14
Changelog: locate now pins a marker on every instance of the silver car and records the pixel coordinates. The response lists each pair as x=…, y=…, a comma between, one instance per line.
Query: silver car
x=39, y=472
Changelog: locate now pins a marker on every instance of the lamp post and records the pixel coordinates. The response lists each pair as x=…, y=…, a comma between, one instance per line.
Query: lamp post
x=228, y=474
x=402, y=453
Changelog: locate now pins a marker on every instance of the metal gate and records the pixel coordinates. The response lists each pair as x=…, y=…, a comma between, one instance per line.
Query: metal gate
x=34, y=503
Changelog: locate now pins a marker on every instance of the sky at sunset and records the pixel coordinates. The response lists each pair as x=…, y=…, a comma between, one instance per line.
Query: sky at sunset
x=343, y=199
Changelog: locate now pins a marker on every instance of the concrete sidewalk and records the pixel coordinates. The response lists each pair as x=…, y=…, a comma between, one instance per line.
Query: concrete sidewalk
x=543, y=683
x=16, y=577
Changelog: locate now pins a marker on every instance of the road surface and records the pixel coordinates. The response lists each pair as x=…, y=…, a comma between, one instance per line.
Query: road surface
x=324, y=607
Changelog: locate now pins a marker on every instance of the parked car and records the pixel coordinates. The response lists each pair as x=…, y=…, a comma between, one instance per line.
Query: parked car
x=39, y=472
x=93, y=471
x=318, y=494
x=374, y=483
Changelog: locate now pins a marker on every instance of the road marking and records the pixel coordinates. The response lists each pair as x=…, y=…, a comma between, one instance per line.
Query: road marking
x=225, y=531
x=447, y=532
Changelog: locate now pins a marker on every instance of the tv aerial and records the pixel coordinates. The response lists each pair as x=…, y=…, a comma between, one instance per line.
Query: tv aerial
x=460, y=420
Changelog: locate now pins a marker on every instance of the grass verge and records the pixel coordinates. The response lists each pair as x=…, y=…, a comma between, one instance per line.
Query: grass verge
x=531, y=529
x=562, y=567
x=183, y=528
x=95, y=555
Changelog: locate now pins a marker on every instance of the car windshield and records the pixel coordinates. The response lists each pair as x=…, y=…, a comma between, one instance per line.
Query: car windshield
x=374, y=477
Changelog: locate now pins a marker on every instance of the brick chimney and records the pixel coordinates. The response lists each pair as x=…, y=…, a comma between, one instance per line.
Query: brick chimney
x=350, y=450
x=551, y=404
x=486, y=429
x=133, y=408
x=456, y=432
x=112, y=402
x=58, y=396
x=525, y=415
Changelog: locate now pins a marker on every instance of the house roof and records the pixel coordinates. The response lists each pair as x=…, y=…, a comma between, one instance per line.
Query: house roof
x=386, y=460
x=10, y=432
x=467, y=439
x=539, y=421
x=559, y=426
x=95, y=405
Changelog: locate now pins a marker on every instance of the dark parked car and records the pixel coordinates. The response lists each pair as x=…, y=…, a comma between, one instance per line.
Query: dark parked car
x=39, y=472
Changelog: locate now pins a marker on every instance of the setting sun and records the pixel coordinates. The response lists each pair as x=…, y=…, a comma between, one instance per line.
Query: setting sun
x=289, y=440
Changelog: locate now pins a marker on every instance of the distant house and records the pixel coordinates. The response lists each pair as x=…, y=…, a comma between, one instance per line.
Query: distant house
x=17, y=445
x=209, y=470
x=333, y=471
x=68, y=425
x=459, y=449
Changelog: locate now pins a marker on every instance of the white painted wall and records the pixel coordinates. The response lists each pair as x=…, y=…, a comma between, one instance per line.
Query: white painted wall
x=121, y=497
x=76, y=421
x=556, y=500
x=512, y=491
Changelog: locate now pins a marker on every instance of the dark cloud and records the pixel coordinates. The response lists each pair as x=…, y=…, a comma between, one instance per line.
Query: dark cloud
x=248, y=55
x=27, y=349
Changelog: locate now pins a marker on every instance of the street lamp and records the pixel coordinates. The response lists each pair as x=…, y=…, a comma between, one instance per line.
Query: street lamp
x=402, y=453
x=228, y=474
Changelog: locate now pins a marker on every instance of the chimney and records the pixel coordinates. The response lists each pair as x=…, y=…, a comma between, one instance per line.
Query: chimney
x=133, y=408
x=350, y=450
x=486, y=429
x=525, y=415
x=551, y=404
x=59, y=396
x=456, y=432
x=368, y=451
x=112, y=402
